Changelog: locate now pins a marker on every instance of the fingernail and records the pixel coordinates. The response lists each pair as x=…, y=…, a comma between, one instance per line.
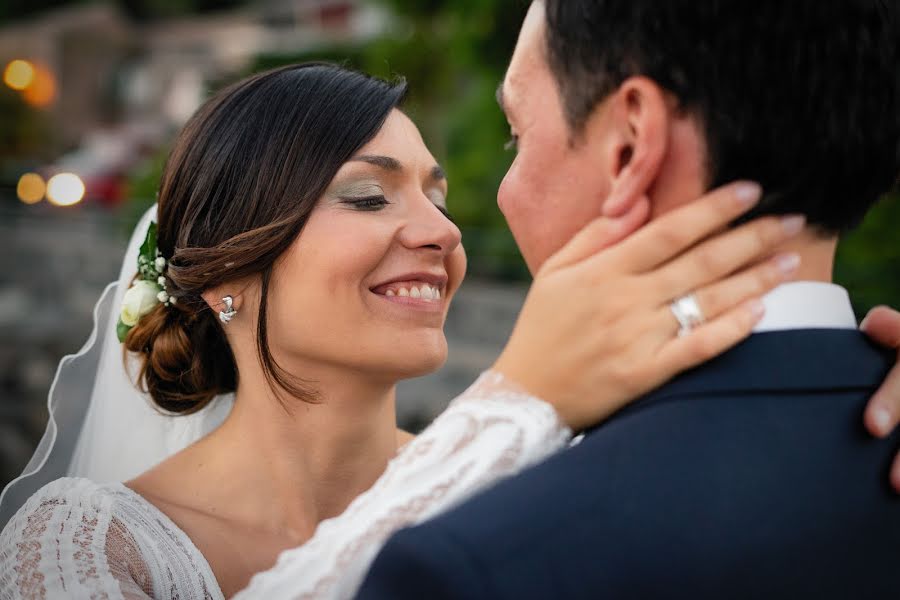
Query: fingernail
x=881, y=419
x=747, y=193
x=787, y=263
x=793, y=224
x=865, y=322
x=757, y=309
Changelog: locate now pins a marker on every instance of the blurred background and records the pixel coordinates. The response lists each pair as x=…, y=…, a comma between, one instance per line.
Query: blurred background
x=94, y=91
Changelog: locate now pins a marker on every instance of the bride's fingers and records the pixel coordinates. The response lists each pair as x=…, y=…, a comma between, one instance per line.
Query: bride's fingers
x=724, y=254
x=882, y=324
x=672, y=233
x=599, y=234
x=720, y=297
x=709, y=340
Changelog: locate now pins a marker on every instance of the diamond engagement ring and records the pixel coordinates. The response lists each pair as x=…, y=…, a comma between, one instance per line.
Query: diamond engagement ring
x=687, y=312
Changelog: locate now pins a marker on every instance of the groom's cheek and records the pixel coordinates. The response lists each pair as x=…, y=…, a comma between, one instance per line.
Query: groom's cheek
x=514, y=200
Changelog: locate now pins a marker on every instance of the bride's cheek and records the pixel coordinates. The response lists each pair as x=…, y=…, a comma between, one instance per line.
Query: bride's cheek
x=326, y=311
x=458, y=265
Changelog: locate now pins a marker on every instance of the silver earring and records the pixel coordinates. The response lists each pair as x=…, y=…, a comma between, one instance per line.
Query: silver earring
x=226, y=315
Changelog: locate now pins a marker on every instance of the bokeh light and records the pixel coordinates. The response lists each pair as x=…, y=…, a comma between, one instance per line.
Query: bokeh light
x=19, y=74
x=41, y=92
x=31, y=188
x=65, y=189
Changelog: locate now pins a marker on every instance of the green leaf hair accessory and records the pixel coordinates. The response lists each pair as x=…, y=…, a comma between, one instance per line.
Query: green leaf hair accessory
x=148, y=288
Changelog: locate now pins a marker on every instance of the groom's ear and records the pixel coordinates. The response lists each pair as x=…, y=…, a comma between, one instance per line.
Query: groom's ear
x=637, y=139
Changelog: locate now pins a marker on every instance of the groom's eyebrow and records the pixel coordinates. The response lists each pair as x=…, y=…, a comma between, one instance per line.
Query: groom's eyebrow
x=389, y=163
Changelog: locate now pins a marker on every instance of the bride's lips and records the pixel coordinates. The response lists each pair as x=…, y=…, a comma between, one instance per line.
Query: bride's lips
x=424, y=291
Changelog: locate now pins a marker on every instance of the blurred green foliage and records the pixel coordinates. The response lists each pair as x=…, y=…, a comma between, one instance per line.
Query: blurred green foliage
x=868, y=260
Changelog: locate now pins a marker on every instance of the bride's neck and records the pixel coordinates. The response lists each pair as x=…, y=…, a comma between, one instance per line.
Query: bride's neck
x=295, y=463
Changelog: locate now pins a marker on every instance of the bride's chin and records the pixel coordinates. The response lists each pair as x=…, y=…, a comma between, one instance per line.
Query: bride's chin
x=426, y=369
x=418, y=362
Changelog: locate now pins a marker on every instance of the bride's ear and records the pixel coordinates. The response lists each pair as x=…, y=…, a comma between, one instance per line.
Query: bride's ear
x=637, y=139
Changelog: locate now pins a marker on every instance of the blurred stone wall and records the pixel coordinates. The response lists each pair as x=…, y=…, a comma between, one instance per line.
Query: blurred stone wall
x=53, y=265
x=55, y=262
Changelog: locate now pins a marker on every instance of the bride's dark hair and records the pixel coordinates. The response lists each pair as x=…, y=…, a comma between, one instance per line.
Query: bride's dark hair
x=237, y=188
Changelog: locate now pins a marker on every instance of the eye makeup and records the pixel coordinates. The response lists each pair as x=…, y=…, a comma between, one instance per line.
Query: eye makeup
x=362, y=188
x=367, y=203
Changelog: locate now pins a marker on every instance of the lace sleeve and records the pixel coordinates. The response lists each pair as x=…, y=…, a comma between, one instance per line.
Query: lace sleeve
x=64, y=544
x=492, y=430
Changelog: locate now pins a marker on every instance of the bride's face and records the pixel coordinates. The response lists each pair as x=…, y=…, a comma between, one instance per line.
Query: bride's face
x=367, y=283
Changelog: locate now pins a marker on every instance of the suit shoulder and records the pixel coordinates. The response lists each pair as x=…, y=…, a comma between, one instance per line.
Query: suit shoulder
x=424, y=561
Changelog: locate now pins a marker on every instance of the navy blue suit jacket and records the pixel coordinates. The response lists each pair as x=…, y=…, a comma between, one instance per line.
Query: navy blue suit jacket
x=749, y=477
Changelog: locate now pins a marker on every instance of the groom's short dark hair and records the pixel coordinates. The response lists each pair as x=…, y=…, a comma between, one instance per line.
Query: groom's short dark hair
x=800, y=95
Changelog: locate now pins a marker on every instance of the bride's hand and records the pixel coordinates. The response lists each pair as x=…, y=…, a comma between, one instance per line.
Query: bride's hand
x=882, y=415
x=597, y=331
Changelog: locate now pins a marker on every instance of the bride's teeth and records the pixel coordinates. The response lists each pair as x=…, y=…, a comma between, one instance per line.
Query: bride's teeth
x=422, y=291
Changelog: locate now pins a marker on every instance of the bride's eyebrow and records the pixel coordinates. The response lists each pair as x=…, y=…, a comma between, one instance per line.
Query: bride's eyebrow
x=389, y=163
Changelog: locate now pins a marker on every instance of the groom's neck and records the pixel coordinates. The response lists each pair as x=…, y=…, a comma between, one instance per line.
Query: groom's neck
x=683, y=177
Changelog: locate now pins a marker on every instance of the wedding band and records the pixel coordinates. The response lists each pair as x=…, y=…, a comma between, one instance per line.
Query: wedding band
x=687, y=312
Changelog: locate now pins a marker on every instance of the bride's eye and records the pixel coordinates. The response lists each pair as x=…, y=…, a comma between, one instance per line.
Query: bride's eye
x=368, y=203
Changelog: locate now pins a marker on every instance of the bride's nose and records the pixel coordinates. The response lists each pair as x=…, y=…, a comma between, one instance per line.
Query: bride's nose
x=428, y=227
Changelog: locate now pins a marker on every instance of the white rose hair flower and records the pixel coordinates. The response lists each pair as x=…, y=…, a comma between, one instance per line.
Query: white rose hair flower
x=148, y=289
x=140, y=299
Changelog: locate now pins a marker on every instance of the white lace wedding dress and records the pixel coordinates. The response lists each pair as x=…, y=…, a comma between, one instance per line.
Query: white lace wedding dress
x=80, y=539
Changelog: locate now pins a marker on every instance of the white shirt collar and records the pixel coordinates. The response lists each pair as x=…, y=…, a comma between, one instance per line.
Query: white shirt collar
x=807, y=305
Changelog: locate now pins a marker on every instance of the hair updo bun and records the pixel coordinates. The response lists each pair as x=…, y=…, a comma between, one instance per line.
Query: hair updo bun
x=185, y=358
x=241, y=180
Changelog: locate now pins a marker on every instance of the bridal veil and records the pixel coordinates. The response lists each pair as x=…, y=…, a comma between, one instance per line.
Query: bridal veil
x=100, y=426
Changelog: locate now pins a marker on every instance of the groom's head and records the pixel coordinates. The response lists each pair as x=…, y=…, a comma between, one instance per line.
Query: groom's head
x=616, y=99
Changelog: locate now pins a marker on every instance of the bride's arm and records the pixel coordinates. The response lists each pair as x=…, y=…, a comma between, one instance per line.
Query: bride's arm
x=595, y=333
x=65, y=543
